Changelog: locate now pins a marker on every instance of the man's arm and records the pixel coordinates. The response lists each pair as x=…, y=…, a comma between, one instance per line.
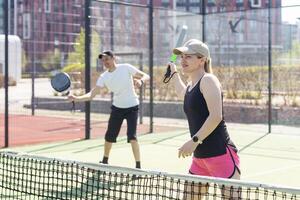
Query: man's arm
x=140, y=78
x=86, y=97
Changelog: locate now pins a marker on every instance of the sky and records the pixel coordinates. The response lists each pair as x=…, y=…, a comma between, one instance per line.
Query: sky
x=291, y=14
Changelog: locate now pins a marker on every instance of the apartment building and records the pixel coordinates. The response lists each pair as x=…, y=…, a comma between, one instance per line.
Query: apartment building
x=233, y=28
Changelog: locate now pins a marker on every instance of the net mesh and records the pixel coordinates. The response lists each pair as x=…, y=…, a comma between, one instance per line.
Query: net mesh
x=25, y=176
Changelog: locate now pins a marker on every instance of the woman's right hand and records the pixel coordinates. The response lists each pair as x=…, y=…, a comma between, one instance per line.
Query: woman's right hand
x=173, y=67
x=171, y=70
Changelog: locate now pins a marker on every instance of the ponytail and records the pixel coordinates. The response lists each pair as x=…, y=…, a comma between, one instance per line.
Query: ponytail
x=207, y=66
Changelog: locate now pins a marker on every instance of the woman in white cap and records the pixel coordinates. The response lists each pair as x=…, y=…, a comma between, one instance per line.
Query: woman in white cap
x=214, y=153
x=119, y=79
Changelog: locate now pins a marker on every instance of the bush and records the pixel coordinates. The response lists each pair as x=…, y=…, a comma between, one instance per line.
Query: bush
x=73, y=67
x=242, y=82
x=245, y=83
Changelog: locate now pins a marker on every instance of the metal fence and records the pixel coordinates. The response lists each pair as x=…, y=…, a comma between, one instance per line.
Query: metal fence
x=255, y=55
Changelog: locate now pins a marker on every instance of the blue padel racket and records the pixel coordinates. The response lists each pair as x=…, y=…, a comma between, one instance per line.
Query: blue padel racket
x=61, y=83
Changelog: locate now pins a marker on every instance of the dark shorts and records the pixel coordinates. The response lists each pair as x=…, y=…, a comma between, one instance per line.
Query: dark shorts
x=116, y=118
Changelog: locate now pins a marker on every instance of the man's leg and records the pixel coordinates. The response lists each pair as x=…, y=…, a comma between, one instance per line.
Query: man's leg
x=131, y=119
x=113, y=129
x=107, y=148
x=136, y=152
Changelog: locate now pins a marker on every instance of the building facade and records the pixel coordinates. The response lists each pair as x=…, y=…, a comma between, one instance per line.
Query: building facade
x=236, y=30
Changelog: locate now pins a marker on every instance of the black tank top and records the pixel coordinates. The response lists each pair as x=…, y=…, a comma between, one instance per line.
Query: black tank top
x=197, y=112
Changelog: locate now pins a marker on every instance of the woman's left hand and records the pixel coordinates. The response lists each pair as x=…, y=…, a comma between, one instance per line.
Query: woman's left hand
x=187, y=149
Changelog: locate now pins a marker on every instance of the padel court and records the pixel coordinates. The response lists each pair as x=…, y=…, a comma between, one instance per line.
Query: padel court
x=271, y=159
x=27, y=130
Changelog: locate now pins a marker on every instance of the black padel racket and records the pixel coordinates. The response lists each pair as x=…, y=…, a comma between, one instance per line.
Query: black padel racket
x=61, y=83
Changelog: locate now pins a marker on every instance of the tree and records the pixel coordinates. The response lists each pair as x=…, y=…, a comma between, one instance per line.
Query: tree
x=78, y=55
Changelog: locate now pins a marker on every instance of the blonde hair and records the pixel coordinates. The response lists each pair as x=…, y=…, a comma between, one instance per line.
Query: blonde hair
x=207, y=66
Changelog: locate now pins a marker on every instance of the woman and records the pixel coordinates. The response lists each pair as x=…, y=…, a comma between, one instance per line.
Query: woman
x=214, y=154
x=119, y=79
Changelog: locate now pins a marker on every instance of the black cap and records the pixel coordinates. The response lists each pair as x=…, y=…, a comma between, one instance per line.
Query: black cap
x=106, y=53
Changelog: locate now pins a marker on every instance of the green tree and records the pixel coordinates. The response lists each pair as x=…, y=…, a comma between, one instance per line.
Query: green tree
x=78, y=55
x=95, y=48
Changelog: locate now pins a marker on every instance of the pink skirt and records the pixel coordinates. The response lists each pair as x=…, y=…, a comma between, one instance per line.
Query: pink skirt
x=223, y=166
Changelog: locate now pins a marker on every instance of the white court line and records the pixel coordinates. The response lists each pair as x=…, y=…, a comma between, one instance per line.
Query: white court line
x=65, y=120
x=271, y=171
x=65, y=129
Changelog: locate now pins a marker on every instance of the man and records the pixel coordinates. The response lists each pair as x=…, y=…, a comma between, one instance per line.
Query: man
x=119, y=79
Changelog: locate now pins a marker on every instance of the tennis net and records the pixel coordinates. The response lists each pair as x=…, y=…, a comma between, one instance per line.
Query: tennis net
x=25, y=176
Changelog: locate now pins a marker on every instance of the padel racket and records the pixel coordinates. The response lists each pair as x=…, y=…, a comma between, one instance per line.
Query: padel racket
x=61, y=83
x=173, y=57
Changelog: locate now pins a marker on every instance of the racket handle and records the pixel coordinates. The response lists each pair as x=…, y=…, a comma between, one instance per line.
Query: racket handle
x=168, y=72
x=73, y=106
x=168, y=75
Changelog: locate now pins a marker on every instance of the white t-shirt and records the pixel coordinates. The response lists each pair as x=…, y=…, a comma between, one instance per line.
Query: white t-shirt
x=120, y=82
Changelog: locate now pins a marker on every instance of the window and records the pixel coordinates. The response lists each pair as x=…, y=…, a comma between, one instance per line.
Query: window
x=180, y=8
x=26, y=26
x=128, y=12
x=117, y=11
x=47, y=6
x=255, y=3
x=165, y=3
x=239, y=4
x=195, y=9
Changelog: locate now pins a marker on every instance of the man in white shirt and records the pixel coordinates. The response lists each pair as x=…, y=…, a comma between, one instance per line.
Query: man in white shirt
x=119, y=79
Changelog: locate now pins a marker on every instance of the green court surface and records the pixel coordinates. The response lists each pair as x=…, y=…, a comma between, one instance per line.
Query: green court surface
x=265, y=158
